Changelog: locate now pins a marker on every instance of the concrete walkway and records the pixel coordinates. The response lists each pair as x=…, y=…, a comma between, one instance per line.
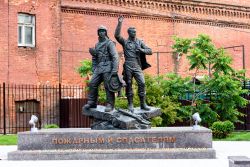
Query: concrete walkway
x=223, y=150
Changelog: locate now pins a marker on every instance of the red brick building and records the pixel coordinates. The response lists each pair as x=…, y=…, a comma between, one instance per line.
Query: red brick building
x=42, y=41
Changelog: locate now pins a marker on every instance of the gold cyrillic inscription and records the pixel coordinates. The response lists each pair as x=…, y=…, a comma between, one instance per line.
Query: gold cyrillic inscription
x=102, y=140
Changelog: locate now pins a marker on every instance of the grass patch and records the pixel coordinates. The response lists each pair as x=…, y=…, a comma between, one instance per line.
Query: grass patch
x=236, y=136
x=8, y=139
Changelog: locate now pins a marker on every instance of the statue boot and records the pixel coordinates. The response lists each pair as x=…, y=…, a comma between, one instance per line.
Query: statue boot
x=110, y=102
x=90, y=104
x=109, y=107
x=143, y=104
x=130, y=104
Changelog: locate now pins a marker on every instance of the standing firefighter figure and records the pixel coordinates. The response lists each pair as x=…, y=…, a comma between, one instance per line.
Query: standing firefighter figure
x=135, y=61
x=105, y=68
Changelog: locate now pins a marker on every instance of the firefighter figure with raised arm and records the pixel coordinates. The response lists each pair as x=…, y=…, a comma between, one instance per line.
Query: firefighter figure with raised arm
x=135, y=52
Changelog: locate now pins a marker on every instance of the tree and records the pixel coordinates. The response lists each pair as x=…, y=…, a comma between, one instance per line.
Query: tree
x=85, y=69
x=220, y=93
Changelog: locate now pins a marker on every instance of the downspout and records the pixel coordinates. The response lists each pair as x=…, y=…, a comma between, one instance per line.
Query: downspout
x=8, y=36
x=60, y=43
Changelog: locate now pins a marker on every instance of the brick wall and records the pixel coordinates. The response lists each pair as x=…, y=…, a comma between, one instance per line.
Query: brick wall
x=231, y=2
x=156, y=23
x=79, y=33
x=3, y=40
x=30, y=65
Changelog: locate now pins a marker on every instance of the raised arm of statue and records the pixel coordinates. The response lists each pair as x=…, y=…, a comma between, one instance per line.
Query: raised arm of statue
x=118, y=36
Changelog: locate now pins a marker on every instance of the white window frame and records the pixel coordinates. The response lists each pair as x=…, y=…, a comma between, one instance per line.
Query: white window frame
x=23, y=25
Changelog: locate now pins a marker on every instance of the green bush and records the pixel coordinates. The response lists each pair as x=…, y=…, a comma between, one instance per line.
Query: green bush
x=164, y=92
x=229, y=126
x=85, y=68
x=49, y=126
x=121, y=102
x=222, y=129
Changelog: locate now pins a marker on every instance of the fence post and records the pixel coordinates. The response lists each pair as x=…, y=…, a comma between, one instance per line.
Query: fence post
x=59, y=65
x=4, y=110
x=60, y=103
x=244, y=67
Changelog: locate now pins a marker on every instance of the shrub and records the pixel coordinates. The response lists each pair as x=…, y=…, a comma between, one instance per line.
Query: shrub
x=85, y=68
x=156, y=121
x=229, y=126
x=222, y=129
x=49, y=126
x=163, y=92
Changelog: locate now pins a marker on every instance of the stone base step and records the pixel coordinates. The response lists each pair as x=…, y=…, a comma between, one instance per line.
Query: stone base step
x=174, y=153
x=87, y=139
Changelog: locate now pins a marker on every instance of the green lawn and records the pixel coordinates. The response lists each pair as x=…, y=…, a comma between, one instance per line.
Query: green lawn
x=8, y=139
x=236, y=136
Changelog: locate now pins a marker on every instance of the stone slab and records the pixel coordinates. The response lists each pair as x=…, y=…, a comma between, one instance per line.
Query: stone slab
x=153, y=112
x=81, y=138
x=239, y=161
x=121, y=118
x=99, y=113
x=113, y=120
x=112, y=154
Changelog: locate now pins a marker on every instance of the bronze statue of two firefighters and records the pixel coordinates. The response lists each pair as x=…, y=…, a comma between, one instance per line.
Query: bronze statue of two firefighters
x=105, y=67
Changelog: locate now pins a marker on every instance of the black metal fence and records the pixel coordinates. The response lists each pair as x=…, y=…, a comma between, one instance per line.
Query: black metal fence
x=57, y=104
x=71, y=102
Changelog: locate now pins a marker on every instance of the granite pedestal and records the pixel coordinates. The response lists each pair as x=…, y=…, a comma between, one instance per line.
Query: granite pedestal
x=80, y=144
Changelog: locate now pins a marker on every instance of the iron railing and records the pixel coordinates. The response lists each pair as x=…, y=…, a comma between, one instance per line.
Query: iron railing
x=54, y=104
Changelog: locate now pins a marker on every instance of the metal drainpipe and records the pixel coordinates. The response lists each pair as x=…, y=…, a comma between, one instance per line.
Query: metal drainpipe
x=8, y=36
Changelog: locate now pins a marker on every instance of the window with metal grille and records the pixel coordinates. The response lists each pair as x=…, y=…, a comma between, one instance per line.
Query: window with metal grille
x=26, y=30
x=24, y=106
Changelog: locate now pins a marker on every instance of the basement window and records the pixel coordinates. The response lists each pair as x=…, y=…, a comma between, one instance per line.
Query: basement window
x=25, y=106
x=26, y=30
